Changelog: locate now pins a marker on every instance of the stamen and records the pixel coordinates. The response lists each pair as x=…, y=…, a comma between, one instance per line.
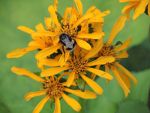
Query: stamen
x=69, y=30
x=107, y=50
x=53, y=87
x=77, y=64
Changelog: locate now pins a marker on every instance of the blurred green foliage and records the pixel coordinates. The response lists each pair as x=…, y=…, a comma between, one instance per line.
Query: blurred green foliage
x=32, y=12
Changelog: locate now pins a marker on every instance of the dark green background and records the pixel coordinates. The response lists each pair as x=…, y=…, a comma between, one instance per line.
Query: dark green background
x=32, y=12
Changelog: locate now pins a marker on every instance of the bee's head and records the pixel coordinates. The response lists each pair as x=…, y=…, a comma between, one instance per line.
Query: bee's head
x=64, y=37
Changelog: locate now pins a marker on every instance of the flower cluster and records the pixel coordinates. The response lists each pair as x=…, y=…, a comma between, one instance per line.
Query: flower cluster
x=71, y=50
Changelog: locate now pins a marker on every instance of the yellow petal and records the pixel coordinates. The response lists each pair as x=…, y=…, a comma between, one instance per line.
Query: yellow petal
x=72, y=102
x=105, y=13
x=125, y=79
x=56, y=4
x=119, y=25
x=24, y=72
x=102, y=60
x=43, y=34
x=40, y=27
x=67, y=54
x=98, y=18
x=36, y=44
x=47, y=52
x=100, y=73
x=49, y=62
x=25, y=29
x=123, y=54
x=64, y=57
x=70, y=79
x=140, y=8
x=121, y=82
x=57, y=106
x=149, y=8
x=79, y=6
x=20, y=52
x=92, y=74
x=74, y=16
x=97, y=47
x=17, y=53
x=124, y=45
x=83, y=18
x=127, y=0
x=53, y=71
x=129, y=74
x=93, y=84
x=83, y=94
x=126, y=10
x=53, y=14
x=83, y=44
x=91, y=36
x=48, y=22
x=31, y=95
x=40, y=106
x=91, y=9
x=67, y=13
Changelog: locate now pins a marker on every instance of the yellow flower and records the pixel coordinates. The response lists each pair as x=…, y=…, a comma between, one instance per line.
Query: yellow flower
x=37, y=42
x=73, y=29
x=53, y=90
x=63, y=33
x=139, y=7
x=118, y=51
x=78, y=65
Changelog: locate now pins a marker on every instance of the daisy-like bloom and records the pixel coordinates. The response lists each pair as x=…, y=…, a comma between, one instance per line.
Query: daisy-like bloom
x=118, y=51
x=63, y=32
x=37, y=42
x=139, y=7
x=73, y=29
x=79, y=65
x=53, y=90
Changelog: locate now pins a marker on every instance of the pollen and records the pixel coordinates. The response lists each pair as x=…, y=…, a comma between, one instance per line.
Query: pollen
x=78, y=64
x=53, y=87
x=67, y=29
x=107, y=50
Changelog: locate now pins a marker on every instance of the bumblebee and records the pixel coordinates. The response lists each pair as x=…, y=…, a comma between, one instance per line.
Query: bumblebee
x=67, y=41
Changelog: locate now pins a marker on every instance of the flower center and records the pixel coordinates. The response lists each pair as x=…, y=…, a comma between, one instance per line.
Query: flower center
x=67, y=29
x=77, y=64
x=107, y=50
x=53, y=88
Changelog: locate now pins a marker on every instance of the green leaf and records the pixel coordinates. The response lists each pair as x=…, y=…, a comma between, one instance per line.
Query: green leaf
x=101, y=105
x=4, y=108
x=130, y=106
x=140, y=92
x=13, y=89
